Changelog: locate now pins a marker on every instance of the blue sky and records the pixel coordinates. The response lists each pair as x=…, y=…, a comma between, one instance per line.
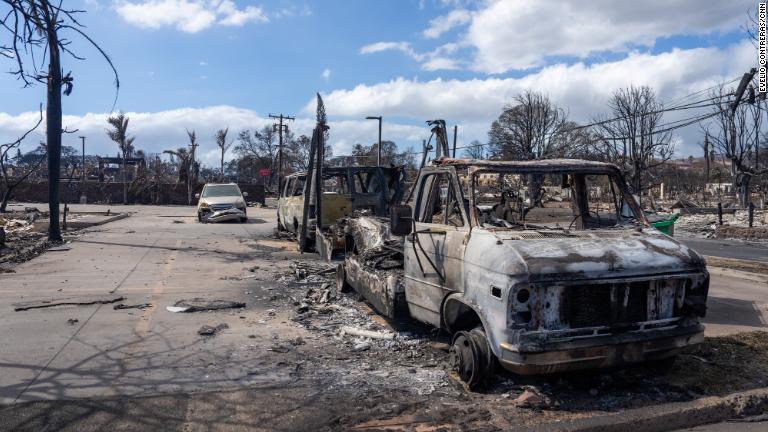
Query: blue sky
x=206, y=64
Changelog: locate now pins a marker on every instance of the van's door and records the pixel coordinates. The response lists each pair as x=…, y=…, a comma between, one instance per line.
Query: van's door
x=434, y=251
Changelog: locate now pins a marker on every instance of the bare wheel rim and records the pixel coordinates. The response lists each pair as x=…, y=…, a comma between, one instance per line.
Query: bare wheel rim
x=464, y=358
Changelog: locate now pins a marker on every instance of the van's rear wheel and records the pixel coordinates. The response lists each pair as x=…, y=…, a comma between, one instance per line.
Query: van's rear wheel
x=471, y=358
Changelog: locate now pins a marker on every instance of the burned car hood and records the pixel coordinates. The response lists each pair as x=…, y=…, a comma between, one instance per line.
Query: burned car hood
x=599, y=254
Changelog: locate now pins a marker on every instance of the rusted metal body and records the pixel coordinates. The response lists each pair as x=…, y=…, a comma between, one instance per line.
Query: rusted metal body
x=370, y=190
x=374, y=263
x=613, y=292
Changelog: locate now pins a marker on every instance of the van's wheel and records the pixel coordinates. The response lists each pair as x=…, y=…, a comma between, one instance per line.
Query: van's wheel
x=471, y=358
x=342, y=285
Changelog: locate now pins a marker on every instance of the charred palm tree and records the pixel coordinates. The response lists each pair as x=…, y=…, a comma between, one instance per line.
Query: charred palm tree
x=221, y=141
x=119, y=134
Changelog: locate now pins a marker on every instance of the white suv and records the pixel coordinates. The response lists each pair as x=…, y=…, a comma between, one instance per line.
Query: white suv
x=221, y=202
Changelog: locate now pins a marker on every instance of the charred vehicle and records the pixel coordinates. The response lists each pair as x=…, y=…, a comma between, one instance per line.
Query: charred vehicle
x=539, y=266
x=370, y=190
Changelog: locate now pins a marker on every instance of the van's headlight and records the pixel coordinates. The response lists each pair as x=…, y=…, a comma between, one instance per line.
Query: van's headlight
x=203, y=204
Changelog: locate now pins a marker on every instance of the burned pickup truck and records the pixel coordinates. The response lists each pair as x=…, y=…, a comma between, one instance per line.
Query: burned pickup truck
x=541, y=266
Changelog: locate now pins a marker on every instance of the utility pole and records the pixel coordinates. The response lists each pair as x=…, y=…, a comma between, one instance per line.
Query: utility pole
x=744, y=181
x=378, y=154
x=190, y=169
x=82, y=168
x=455, y=132
x=280, y=128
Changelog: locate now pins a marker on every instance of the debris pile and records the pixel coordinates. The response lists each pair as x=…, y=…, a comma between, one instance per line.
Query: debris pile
x=373, y=351
x=202, y=305
x=706, y=225
x=207, y=330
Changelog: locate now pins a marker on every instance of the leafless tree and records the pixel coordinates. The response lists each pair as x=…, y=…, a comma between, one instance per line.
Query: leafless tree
x=38, y=31
x=261, y=146
x=297, y=152
x=119, y=134
x=475, y=150
x=20, y=173
x=632, y=137
x=530, y=128
x=221, y=141
x=733, y=131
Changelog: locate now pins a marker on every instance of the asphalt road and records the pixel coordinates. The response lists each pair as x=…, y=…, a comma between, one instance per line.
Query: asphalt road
x=161, y=255
x=734, y=249
x=759, y=426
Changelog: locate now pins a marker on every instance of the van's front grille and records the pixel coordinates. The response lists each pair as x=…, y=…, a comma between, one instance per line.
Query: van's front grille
x=618, y=304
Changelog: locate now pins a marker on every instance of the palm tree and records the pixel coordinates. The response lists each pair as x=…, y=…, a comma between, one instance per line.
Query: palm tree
x=181, y=157
x=187, y=165
x=119, y=134
x=221, y=141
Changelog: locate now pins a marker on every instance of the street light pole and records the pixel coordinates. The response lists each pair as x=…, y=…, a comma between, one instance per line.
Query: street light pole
x=378, y=153
x=82, y=168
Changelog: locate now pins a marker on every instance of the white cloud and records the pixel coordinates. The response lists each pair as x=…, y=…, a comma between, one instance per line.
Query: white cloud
x=523, y=34
x=441, y=63
x=580, y=88
x=326, y=74
x=232, y=16
x=203, y=63
x=190, y=16
x=165, y=130
x=431, y=61
x=403, y=47
x=505, y=35
x=445, y=23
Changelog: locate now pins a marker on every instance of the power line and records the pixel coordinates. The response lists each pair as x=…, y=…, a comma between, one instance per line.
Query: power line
x=671, y=102
x=666, y=127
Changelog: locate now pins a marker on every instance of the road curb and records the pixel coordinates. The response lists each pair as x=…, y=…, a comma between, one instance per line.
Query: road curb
x=755, y=267
x=113, y=218
x=671, y=416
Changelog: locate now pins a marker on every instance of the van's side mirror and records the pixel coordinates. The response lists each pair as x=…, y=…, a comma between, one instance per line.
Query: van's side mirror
x=400, y=220
x=197, y=196
x=245, y=194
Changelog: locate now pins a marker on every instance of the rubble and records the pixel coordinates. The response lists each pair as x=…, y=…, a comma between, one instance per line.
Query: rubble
x=141, y=306
x=367, y=333
x=201, y=305
x=734, y=225
x=65, y=302
x=207, y=330
x=531, y=399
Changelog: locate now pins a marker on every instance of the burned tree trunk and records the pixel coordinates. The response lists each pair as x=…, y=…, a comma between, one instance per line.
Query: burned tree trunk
x=6, y=197
x=53, y=133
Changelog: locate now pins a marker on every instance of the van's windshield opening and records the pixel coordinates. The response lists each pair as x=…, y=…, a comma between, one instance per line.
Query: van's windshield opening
x=570, y=200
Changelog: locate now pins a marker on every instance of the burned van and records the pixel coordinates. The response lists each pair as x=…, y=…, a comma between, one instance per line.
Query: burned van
x=545, y=266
